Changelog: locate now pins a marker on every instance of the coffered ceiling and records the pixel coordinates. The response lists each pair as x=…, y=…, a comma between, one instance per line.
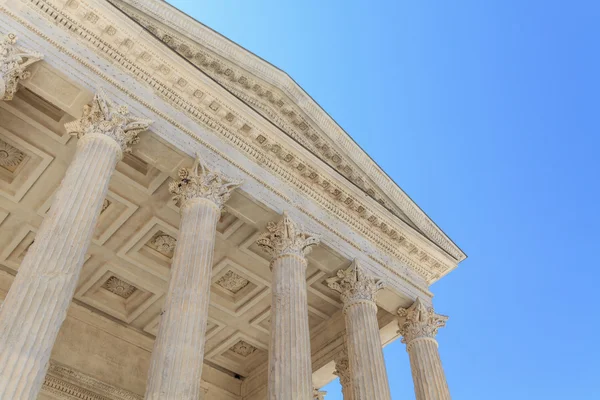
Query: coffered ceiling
x=125, y=274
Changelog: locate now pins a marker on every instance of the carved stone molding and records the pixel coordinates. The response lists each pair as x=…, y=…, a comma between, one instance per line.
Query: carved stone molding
x=354, y=285
x=286, y=237
x=165, y=244
x=10, y=156
x=66, y=383
x=243, y=348
x=14, y=61
x=119, y=287
x=199, y=182
x=402, y=247
x=419, y=321
x=273, y=92
x=232, y=282
x=105, y=117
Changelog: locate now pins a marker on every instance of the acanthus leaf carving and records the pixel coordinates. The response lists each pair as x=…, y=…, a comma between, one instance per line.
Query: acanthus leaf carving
x=286, y=237
x=419, y=321
x=200, y=182
x=319, y=394
x=354, y=285
x=105, y=117
x=342, y=368
x=14, y=61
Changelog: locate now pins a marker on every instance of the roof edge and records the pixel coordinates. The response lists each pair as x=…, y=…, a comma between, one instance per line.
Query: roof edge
x=221, y=45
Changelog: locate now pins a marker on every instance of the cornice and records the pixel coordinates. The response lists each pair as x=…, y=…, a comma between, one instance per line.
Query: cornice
x=179, y=88
x=310, y=124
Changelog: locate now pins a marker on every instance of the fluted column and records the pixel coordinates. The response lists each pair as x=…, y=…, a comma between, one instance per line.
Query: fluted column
x=290, y=369
x=14, y=61
x=37, y=302
x=367, y=367
x=176, y=364
x=418, y=326
x=342, y=370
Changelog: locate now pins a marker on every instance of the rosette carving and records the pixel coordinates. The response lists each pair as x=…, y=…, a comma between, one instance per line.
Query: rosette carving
x=419, y=321
x=287, y=237
x=199, y=182
x=107, y=118
x=14, y=61
x=353, y=284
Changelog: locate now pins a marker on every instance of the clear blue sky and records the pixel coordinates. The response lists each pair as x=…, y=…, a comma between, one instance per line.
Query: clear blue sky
x=486, y=113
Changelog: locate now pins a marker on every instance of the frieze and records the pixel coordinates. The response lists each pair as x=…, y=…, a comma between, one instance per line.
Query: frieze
x=67, y=383
x=295, y=175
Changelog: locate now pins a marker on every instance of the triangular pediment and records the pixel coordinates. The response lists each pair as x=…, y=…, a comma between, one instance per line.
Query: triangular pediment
x=273, y=94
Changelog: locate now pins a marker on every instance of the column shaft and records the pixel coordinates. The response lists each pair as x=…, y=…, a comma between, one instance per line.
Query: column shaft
x=367, y=366
x=176, y=366
x=419, y=325
x=290, y=369
x=37, y=302
x=428, y=374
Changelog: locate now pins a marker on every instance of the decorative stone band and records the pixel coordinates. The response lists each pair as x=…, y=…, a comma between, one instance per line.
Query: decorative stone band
x=199, y=182
x=106, y=118
x=66, y=383
x=418, y=321
x=355, y=286
x=286, y=238
x=14, y=61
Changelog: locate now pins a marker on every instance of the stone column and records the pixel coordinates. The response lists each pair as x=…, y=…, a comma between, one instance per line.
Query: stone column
x=37, y=302
x=13, y=63
x=367, y=367
x=176, y=364
x=418, y=326
x=342, y=370
x=290, y=368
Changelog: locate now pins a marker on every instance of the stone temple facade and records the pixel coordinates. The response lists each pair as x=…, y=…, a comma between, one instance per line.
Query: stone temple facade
x=179, y=220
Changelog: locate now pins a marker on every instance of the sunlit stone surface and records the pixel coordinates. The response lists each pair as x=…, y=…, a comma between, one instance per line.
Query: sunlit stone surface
x=111, y=290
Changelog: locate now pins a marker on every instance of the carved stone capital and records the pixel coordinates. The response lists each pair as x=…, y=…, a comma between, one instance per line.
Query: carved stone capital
x=286, y=237
x=199, y=182
x=354, y=285
x=106, y=118
x=14, y=61
x=319, y=394
x=342, y=368
x=418, y=321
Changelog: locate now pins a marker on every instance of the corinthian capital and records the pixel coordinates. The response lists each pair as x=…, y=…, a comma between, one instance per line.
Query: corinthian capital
x=342, y=368
x=105, y=117
x=353, y=284
x=286, y=237
x=418, y=321
x=319, y=394
x=14, y=61
x=199, y=182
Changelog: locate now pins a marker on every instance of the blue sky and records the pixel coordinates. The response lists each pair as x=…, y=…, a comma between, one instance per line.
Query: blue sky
x=486, y=114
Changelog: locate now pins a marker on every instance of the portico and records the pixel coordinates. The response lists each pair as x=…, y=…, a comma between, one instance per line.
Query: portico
x=180, y=221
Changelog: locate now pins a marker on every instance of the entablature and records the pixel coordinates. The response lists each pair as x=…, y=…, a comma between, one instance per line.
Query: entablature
x=144, y=59
x=276, y=95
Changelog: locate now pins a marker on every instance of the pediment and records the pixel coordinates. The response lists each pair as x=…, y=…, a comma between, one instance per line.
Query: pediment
x=274, y=94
